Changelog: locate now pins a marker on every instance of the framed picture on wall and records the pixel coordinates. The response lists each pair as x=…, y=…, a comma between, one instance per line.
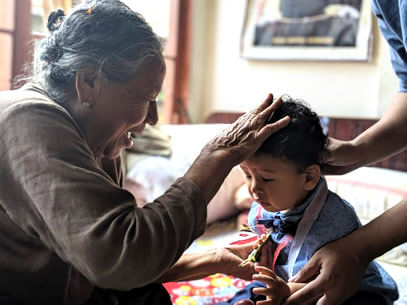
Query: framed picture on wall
x=322, y=30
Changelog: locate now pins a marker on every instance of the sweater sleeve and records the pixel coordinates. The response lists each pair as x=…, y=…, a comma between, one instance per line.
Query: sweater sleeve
x=57, y=192
x=392, y=20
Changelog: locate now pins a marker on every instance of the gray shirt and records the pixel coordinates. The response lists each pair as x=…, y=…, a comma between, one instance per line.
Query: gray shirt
x=66, y=225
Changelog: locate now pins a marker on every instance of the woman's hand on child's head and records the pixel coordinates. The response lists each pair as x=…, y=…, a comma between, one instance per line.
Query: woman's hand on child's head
x=243, y=137
x=277, y=290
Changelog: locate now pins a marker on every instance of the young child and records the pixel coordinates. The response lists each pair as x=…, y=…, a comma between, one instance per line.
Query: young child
x=293, y=204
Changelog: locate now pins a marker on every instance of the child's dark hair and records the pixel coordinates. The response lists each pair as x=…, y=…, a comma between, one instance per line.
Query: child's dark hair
x=302, y=141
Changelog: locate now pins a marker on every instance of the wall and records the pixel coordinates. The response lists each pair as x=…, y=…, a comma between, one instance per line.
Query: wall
x=223, y=81
x=6, y=42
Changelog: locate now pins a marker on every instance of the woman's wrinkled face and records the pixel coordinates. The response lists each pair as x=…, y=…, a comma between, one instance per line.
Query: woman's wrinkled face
x=124, y=108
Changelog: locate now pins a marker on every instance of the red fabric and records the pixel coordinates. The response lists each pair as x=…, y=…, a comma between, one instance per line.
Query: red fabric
x=246, y=238
x=280, y=247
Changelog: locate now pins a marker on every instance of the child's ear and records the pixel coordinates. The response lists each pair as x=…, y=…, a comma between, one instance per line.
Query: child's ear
x=312, y=175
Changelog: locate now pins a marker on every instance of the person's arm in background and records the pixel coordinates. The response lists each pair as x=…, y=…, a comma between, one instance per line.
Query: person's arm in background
x=384, y=139
x=389, y=135
x=340, y=266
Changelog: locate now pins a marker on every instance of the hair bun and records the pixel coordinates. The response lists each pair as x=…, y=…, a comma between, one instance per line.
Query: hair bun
x=55, y=19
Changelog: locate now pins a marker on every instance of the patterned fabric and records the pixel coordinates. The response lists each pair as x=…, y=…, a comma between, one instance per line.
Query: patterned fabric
x=210, y=290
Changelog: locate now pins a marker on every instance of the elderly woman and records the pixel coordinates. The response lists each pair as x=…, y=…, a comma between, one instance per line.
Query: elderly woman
x=69, y=233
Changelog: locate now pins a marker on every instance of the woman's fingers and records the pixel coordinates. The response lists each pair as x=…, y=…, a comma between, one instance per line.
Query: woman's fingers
x=266, y=255
x=266, y=116
x=266, y=103
x=269, y=129
x=242, y=138
x=269, y=111
x=265, y=110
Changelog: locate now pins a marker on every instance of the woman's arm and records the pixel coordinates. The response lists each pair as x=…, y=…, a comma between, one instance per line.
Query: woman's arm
x=192, y=266
x=384, y=139
x=67, y=200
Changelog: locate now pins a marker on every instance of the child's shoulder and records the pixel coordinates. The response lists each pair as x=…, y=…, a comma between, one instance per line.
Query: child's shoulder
x=336, y=203
x=337, y=217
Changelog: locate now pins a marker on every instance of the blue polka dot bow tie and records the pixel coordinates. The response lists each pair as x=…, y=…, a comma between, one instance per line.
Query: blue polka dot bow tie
x=278, y=224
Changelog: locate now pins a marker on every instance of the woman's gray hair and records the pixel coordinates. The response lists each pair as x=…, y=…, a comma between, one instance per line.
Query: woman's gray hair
x=105, y=35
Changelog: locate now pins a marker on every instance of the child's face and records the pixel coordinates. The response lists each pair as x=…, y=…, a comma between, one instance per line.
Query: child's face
x=275, y=184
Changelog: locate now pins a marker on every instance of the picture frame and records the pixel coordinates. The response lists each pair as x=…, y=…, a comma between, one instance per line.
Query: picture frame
x=307, y=30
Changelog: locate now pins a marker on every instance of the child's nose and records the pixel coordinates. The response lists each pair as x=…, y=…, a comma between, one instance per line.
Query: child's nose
x=255, y=196
x=255, y=186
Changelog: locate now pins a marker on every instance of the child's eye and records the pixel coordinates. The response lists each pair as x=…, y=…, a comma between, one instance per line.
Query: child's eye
x=267, y=180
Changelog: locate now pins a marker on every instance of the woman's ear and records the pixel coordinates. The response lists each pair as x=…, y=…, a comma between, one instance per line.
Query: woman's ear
x=87, y=85
x=312, y=176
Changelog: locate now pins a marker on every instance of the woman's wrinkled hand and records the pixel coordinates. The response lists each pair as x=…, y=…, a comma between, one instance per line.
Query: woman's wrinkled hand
x=266, y=254
x=242, y=138
x=230, y=257
x=276, y=291
x=233, y=145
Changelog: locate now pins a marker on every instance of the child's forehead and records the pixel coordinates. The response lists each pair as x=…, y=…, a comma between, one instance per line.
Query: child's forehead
x=267, y=163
